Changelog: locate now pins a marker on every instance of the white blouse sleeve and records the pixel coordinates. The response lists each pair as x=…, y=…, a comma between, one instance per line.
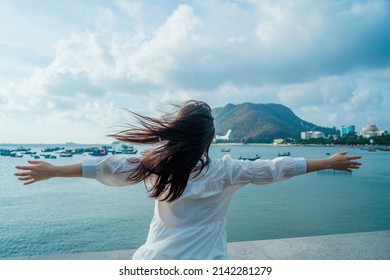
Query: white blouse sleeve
x=260, y=172
x=111, y=171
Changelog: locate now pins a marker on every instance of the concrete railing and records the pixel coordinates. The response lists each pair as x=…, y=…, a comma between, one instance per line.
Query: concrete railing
x=352, y=246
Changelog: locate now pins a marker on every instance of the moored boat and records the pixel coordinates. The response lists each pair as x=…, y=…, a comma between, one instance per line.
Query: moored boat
x=250, y=159
x=15, y=155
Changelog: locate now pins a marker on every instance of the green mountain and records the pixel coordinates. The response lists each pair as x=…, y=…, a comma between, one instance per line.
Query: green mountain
x=261, y=122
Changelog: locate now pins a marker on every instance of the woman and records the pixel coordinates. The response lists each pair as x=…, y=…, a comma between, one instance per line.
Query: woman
x=191, y=191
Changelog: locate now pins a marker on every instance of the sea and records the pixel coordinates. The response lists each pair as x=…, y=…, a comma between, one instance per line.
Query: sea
x=73, y=215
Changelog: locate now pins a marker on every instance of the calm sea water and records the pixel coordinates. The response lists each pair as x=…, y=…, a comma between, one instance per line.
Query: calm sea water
x=81, y=215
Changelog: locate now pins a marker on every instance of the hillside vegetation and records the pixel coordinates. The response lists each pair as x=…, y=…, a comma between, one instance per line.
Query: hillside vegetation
x=262, y=122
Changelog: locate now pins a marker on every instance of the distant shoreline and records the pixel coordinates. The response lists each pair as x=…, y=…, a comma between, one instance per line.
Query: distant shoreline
x=305, y=145
x=375, y=147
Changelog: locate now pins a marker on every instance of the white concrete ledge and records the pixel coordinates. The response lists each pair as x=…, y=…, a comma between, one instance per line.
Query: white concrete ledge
x=352, y=246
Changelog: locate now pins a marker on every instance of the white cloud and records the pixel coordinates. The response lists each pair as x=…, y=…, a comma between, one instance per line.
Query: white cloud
x=133, y=9
x=279, y=23
x=161, y=55
x=371, y=10
x=363, y=99
x=321, y=59
x=326, y=91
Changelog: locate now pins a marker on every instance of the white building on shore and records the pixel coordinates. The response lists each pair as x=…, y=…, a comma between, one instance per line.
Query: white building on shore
x=371, y=130
x=312, y=134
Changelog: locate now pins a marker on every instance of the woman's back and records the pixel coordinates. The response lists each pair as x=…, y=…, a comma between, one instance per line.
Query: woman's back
x=204, y=200
x=194, y=225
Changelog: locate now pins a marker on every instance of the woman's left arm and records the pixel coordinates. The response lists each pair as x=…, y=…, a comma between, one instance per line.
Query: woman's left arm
x=339, y=161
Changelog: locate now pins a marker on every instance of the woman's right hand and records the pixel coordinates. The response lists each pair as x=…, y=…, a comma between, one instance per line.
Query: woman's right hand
x=36, y=171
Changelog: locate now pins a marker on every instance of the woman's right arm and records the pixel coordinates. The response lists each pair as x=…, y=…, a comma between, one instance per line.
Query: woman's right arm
x=112, y=171
x=41, y=170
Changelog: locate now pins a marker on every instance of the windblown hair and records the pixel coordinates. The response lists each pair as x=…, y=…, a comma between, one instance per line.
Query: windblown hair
x=183, y=138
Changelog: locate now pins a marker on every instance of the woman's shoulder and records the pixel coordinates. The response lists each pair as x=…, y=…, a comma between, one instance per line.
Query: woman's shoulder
x=226, y=159
x=216, y=169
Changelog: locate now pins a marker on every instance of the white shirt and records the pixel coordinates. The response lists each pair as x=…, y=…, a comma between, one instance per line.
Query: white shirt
x=194, y=225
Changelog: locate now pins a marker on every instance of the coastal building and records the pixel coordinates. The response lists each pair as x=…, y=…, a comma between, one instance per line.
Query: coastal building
x=347, y=130
x=227, y=137
x=312, y=134
x=371, y=130
x=278, y=141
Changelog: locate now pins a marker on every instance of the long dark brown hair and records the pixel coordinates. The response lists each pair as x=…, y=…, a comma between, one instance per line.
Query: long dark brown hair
x=183, y=138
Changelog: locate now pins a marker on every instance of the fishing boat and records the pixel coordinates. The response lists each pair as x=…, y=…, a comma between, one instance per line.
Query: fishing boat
x=29, y=153
x=129, y=151
x=15, y=155
x=5, y=152
x=22, y=149
x=46, y=156
x=284, y=154
x=250, y=159
x=50, y=149
x=225, y=150
x=103, y=151
x=66, y=155
x=97, y=152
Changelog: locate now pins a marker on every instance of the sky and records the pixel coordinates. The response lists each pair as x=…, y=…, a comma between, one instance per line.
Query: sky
x=68, y=69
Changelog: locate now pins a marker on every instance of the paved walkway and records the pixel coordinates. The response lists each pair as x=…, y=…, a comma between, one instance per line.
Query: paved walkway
x=353, y=246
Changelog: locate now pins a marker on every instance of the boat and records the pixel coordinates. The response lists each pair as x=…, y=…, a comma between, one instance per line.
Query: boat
x=5, y=152
x=46, y=156
x=103, y=151
x=22, y=149
x=29, y=153
x=15, y=155
x=50, y=149
x=127, y=150
x=250, y=159
x=130, y=151
x=225, y=150
x=98, y=153
x=66, y=154
x=284, y=154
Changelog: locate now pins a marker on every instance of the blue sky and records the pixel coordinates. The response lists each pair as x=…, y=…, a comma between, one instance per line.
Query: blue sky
x=68, y=67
